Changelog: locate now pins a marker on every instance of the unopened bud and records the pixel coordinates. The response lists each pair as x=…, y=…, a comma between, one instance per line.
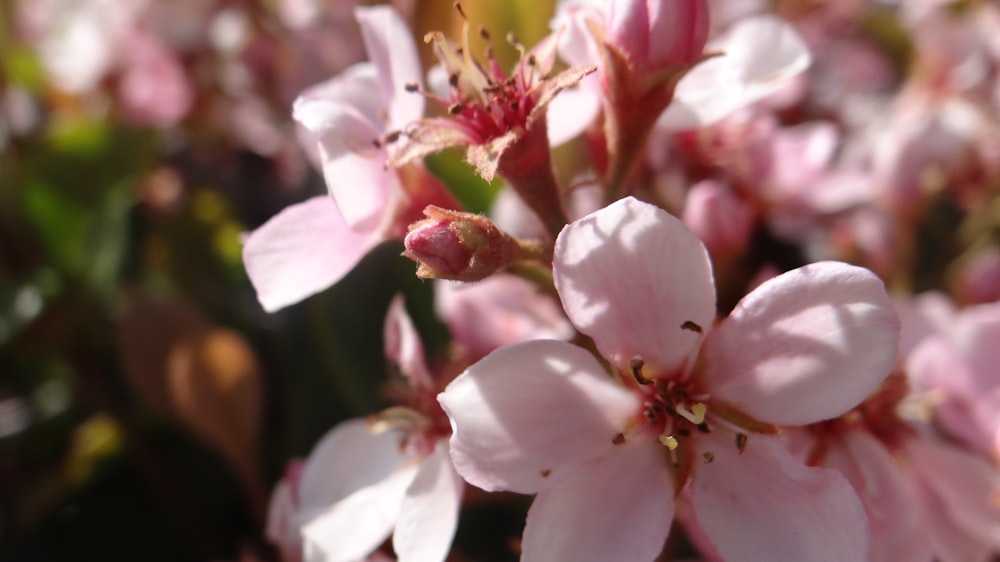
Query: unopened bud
x=658, y=34
x=458, y=246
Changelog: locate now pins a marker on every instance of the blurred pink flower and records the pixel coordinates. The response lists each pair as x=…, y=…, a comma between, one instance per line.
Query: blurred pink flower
x=153, y=88
x=803, y=347
x=956, y=367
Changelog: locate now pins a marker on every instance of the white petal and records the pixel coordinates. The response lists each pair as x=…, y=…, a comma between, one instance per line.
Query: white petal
x=630, y=276
x=616, y=507
x=528, y=414
x=302, y=250
x=429, y=516
x=805, y=346
x=351, y=492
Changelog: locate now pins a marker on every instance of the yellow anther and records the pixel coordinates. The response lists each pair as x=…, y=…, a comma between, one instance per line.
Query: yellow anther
x=669, y=440
x=695, y=415
x=699, y=409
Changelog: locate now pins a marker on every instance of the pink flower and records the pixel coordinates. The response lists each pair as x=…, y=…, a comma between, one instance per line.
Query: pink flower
x=957, y=368
x=926, y=499
x=390, y=474
x=311, y=245
x=489, y=111
x=607, y=455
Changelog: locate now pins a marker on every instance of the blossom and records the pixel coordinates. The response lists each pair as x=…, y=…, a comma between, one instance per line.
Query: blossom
x=389, y=474
x=607, y=455
x=957, y=368
x=489, y=111
x=367, y=204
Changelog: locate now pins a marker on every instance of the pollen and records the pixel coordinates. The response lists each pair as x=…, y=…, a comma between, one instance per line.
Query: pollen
x=695, y=415
x=669, y=441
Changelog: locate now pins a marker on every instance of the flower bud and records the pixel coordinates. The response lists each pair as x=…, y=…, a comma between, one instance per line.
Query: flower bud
x=458, y=246
x=658, y=34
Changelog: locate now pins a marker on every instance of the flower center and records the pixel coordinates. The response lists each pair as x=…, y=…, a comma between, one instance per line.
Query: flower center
x=484, y=102
x=670, y=407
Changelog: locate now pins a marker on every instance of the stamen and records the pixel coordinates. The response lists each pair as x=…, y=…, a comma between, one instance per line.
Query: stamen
x=689, y=325
x=695, y=415
x=636, y=364
x=669, y=441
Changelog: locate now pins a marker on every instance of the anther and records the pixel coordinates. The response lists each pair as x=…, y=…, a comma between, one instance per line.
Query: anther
x=636, y=364
x=708, y=457
x=689, y=325
x=392, y=137
x=532, y=61
x=453, y=79
x=695, y=415
x=618, y=439
x=461, y=12
x=741, y=442
x=669, y=441
x=455, y=109
x=377, y=143
x=484, y=34
x=411, y=87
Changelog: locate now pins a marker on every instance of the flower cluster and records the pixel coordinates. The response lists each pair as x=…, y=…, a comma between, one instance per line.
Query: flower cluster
x=716, y=334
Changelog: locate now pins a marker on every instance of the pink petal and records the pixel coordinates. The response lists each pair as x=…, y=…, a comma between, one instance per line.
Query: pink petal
x=570, y=113
x=760, y=56
x=301, y=251
x=528, y=414
x=429, y=516
x=500, y=310
x=616, y=507
x=351, y=491
x=353, y=88
x=764, y=504
x=353, y=166
x=403, y=346
x=629, y=276
x=805, y=346
x=887, y=492
x=935, y=367
x=391, y=48
x=966, y=485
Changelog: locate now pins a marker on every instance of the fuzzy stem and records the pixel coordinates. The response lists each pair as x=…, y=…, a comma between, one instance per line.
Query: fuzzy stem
x=527, y=166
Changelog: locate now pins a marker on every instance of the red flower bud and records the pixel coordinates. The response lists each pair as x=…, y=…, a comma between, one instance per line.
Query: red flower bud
x=658, y=34
x=459, y=246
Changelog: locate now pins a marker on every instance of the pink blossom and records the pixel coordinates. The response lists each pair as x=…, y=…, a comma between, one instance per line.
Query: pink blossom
x=312, y=245
x=489, y=112
x=926, y=499
x=389, y=474
x=805, y=346
x=957, y=369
